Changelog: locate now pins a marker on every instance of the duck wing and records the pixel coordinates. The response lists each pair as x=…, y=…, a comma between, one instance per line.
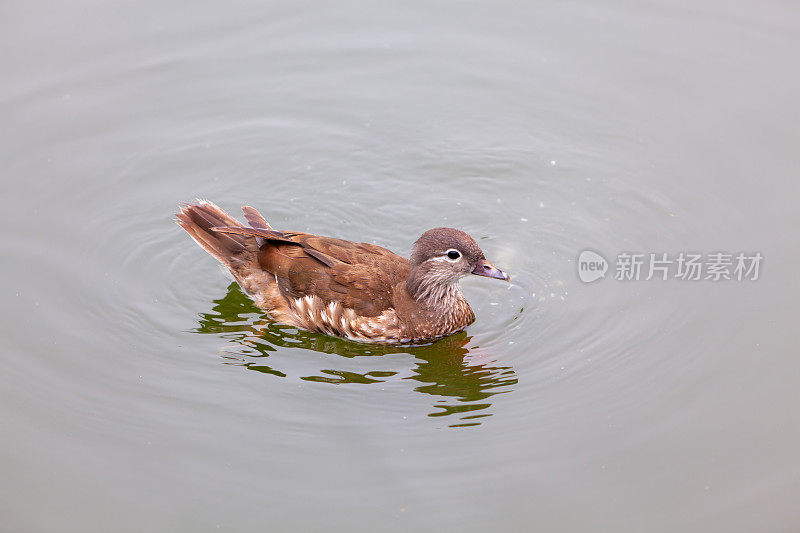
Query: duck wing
x=360, y=276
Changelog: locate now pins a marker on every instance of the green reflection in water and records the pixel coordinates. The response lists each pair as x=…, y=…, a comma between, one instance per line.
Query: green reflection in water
x=447, y=369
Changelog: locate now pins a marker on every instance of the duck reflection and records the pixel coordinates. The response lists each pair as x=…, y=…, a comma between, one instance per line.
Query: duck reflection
x=447, y=369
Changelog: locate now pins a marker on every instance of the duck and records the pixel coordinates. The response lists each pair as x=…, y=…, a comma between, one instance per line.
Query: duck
x=356, y=290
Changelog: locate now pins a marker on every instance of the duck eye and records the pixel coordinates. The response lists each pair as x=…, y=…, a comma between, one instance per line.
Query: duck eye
x=453, y=255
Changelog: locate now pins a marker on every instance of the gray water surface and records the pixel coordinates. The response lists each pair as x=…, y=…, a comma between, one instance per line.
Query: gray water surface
x=141, y=390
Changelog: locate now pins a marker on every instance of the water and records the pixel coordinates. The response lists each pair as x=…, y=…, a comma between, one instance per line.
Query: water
x=142, y=391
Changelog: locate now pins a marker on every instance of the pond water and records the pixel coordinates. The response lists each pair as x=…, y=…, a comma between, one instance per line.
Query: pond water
x=141, y=390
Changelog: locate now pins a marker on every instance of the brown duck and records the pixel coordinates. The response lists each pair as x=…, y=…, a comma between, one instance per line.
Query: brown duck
x=349, y=289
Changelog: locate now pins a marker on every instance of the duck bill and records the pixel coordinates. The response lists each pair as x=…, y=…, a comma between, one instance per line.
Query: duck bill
x=485, y=268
